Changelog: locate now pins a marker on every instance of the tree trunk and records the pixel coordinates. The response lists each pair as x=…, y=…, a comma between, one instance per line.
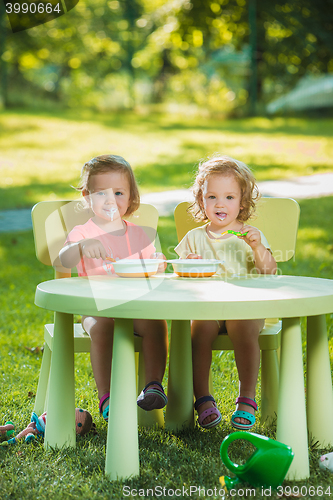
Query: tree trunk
x=3, y=64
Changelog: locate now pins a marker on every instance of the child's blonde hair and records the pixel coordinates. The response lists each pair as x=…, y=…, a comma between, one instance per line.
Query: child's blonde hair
x=110, y=163
x=225, y=165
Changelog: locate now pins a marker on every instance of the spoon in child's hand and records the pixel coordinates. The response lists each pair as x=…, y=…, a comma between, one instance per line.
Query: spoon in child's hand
x=217, y=236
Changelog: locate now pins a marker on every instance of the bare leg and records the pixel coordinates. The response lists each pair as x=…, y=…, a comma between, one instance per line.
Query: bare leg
x=244, y=335
x=203, y=334
x=154, y=335
x=100, y=331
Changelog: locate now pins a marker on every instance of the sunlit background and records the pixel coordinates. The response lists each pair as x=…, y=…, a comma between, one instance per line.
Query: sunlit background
x=222, y=57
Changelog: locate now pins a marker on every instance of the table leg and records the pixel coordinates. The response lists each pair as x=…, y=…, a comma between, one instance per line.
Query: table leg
x=42, y=389
x=319, y=382
x=60, y=423
x=122, y=450
x=179, y=410
x=291, y=419
x=269, y=385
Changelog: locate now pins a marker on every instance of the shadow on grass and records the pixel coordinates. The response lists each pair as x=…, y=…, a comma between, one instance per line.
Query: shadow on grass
x=305, y=126
x=178, y=174
x=28, y=195
x=9, y=129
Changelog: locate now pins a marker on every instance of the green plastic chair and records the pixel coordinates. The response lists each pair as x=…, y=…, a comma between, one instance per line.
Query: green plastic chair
x=278, y=219
x=52, y=221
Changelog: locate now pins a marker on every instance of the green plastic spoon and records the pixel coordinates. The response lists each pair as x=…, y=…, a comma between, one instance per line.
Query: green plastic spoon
x=230, y=231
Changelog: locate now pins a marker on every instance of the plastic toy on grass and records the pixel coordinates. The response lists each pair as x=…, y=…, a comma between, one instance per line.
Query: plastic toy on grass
x=36, y=428
x=326, y=462
x=266, y=467
x=7, y=429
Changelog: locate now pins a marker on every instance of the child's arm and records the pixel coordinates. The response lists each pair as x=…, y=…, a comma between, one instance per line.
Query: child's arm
x=186, y=248
x=263, y=259
x=72, y=253
x=193, y=256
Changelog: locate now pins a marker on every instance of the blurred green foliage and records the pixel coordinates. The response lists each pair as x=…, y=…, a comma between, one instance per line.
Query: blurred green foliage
x=120, y=54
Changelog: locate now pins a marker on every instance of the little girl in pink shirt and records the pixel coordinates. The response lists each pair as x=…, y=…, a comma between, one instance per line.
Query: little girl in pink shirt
x=110, y=189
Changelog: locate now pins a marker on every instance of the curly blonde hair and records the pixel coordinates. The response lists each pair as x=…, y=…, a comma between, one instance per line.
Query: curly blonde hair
x=219, y=164
x=110, y=163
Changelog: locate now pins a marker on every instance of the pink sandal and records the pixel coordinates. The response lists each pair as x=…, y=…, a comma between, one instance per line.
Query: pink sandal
x=105, y=412
x=210, y=411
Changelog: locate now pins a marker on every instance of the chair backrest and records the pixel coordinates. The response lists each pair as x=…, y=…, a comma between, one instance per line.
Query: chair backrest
x=277, y=218
x=53, y=220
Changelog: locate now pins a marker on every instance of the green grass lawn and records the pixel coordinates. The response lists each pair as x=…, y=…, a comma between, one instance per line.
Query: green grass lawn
x=42, y=155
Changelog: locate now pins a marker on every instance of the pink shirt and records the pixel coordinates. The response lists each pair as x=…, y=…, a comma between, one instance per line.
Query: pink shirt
x=136, y=243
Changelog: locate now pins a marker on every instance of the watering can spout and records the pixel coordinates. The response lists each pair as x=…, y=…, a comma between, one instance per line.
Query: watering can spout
x=228, y=482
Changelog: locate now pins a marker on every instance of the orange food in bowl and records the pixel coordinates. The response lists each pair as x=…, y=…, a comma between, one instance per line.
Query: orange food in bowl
x=195, y=268
x=195, y=275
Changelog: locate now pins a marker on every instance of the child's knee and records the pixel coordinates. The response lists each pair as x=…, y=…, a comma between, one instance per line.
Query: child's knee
x=98, y=327
x=204, y=331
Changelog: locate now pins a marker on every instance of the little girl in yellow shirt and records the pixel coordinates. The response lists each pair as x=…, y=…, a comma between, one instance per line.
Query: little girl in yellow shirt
x=225, y=193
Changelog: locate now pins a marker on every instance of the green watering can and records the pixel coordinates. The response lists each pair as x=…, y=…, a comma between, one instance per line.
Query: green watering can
x=267, y=466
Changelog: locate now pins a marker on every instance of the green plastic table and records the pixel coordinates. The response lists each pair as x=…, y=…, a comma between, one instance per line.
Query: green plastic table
x=180, y=300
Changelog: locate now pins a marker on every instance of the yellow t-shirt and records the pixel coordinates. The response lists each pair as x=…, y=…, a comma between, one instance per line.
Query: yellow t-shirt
x=237, y=256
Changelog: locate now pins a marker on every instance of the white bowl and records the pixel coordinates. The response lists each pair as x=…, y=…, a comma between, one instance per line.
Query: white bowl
x=195, y=268
x=136, y=268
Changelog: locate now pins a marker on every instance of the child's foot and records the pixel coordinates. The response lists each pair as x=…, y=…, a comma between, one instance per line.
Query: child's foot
x=208, y=415
x=244, y=417
x=152, y=397
x=104, y=406
x=244, y=408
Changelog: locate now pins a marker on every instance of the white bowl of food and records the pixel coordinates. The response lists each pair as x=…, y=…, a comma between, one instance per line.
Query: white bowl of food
x=136, y=268
x=195, y=268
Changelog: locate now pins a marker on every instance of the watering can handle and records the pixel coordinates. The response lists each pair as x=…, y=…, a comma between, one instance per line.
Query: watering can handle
x=251, y=437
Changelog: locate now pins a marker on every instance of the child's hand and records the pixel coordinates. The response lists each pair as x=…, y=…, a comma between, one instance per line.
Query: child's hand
x=93, y=249
x=162, y=265
x=193, y=256
x=253, y=237
x=263, y=258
